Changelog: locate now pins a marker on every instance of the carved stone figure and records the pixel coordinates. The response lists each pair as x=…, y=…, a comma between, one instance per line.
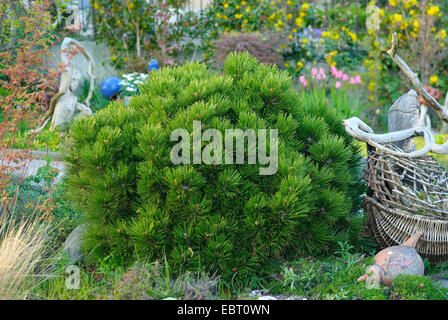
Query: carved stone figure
x=67, y=106
x=64, y=106
x=404, y=114
x=393, y=261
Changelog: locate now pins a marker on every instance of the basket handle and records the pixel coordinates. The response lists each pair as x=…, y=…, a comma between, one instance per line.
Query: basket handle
x=362, y=132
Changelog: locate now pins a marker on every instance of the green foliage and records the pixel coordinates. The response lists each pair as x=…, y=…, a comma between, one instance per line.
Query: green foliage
x=45, y=174
x=134, y=29
x=227, y=218
x=16, y=19
x=435, y=269
x=336, y=279
x=141, y=281
x=97, y=102
x=348, y=105
x=55, y=287
x=407, y=287
x=329, y=278
x=44, y=140
x=340, y=283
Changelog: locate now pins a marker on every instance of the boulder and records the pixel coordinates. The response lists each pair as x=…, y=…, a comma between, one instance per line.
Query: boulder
x=73, y=243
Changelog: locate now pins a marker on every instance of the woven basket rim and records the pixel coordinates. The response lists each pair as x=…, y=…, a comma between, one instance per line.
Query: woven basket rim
x=403, y=213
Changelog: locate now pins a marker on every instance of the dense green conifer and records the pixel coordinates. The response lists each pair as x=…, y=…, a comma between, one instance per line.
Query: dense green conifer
x=224, y=218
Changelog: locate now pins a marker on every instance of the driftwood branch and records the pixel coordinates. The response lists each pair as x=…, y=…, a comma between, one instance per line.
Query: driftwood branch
x=362, y=132
x=441, y=110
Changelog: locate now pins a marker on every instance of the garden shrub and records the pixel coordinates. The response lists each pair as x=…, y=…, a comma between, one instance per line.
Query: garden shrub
x=260, y=46
x=225, y=219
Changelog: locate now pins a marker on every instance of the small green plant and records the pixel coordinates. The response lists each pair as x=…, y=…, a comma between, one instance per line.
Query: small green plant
x=302, y=280
x=45, y=174
x=44, y=140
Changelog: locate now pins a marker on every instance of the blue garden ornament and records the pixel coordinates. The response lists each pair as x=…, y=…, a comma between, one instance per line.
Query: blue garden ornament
x=153, y=65
x=110, y=87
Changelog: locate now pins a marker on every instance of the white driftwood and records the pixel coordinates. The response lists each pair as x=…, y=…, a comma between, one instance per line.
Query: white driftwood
x=362, y=132
x=441, y=110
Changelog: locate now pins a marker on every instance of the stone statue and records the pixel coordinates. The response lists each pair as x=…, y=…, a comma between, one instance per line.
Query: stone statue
x=64, y=106
x=67, y=106
x=404, y=114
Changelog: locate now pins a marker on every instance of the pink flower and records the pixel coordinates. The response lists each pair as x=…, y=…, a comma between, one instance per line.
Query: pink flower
x=344, y=77
x=358, y=79
x=305, y=83
x=334, y=70
x=352, y=80
x=314, y=72
x=338, y=85
x=302, y=79
x=321, y=74
x=339, y=74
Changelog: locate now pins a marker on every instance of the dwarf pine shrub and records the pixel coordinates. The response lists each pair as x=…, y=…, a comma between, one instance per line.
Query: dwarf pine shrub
x=222, y=218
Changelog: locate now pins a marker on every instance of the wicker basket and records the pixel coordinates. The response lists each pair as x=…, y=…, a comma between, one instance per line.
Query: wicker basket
x=406, y=196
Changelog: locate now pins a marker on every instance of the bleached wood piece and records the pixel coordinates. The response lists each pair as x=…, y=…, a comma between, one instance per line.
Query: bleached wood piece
x=362, y=132
x=441, y=110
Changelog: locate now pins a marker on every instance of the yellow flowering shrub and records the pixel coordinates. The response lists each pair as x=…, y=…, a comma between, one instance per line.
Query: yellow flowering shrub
x=433, y=10
x=433, y=79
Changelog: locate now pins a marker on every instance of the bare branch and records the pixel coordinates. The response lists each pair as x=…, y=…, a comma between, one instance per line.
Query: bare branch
x=441, y=110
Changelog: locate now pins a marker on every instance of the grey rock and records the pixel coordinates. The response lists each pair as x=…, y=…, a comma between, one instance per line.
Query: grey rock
x=444, y=283
x=259, y=294
x=255, y=293
x=73, y=243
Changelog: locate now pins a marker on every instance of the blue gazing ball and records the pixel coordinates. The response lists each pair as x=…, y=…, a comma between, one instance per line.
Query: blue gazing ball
x=110, y=87
x=153, y=65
